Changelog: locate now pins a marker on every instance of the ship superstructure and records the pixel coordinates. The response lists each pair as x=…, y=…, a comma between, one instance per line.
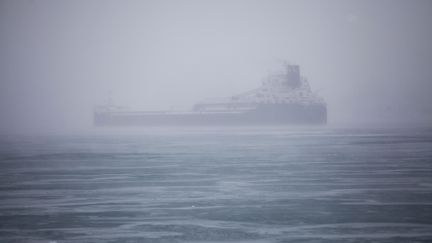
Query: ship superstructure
x=283, y=98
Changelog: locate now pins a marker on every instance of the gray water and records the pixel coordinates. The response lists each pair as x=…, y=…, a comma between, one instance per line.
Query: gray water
x=220, y=185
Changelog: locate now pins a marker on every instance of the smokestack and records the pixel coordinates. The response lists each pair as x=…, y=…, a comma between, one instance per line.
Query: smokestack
x=293, y=76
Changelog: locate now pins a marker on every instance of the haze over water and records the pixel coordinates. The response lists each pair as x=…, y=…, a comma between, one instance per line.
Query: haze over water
x=365, y=177
x=370, y=60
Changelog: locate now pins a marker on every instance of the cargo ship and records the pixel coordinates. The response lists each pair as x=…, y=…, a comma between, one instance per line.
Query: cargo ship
x=284, y=98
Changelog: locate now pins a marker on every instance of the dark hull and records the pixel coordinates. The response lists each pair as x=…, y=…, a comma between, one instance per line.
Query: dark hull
x=265, y=114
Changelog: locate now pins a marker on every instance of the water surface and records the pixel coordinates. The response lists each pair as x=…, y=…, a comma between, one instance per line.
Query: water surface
x=218, y=185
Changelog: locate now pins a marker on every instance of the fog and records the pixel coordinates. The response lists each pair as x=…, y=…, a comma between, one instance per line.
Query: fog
x=370, y=60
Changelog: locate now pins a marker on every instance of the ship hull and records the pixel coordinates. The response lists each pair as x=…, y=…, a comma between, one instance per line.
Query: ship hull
x=263, y=114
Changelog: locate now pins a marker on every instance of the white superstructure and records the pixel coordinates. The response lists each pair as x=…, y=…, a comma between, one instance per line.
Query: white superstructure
x=286, y=87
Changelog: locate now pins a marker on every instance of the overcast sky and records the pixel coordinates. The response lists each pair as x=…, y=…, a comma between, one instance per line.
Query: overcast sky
x=370, y=60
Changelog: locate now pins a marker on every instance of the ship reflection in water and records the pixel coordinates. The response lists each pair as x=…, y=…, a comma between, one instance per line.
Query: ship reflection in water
x=283, y=98
x=219, y=185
